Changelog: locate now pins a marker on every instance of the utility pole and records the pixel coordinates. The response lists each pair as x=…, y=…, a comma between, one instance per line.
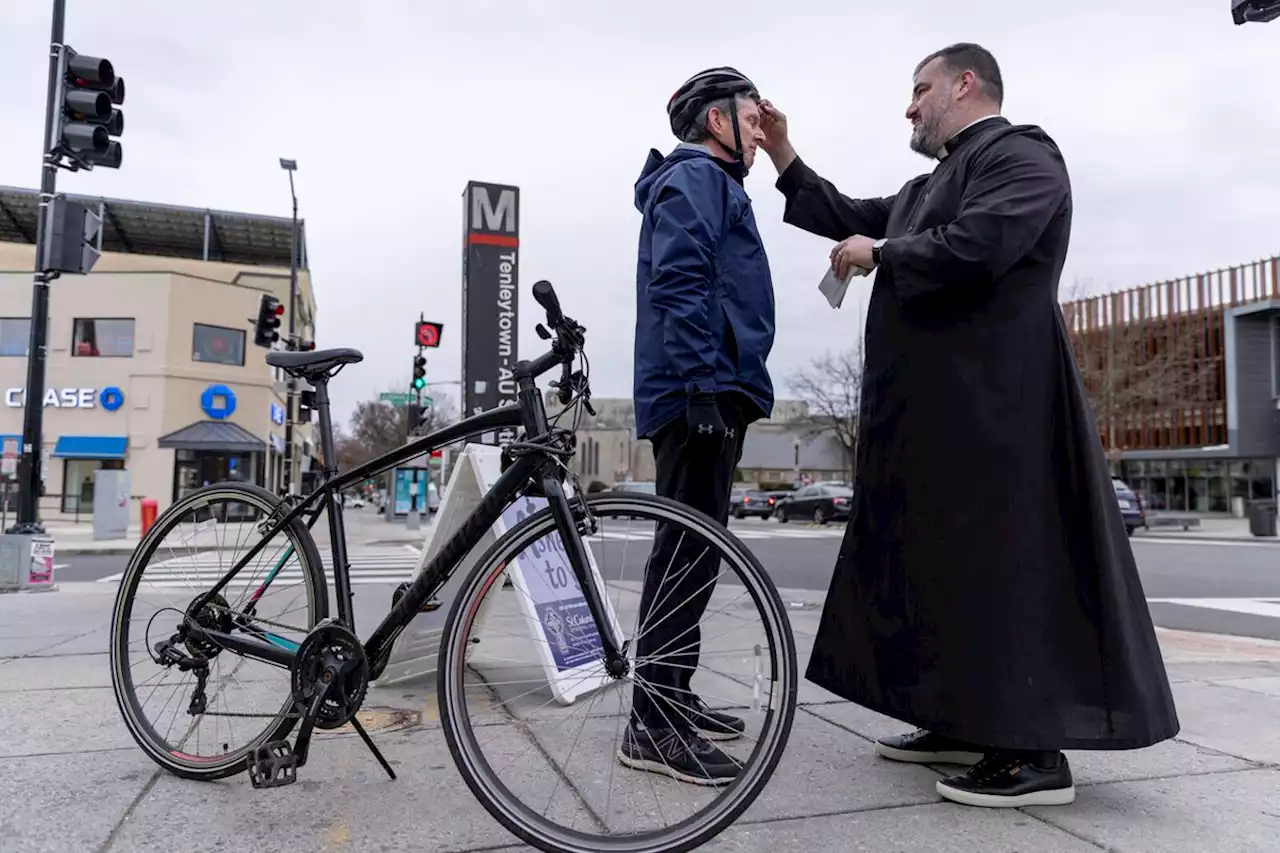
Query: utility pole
x=79, y=122
x=290, y=487
x=29, y=479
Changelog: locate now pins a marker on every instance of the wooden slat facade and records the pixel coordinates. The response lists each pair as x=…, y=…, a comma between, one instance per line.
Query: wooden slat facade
x=1153, y=358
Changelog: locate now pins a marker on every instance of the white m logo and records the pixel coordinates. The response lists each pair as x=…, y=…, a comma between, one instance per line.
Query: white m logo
x=485, y=216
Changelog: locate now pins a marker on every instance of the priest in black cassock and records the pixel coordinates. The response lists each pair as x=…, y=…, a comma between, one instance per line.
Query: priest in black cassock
x=985, y=590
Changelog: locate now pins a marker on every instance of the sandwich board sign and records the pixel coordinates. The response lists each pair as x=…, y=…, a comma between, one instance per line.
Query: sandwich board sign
x=563, y=634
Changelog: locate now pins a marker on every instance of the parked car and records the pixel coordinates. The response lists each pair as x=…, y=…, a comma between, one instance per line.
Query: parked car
x=1130, y=506
x=820, y=502
x=758, y=503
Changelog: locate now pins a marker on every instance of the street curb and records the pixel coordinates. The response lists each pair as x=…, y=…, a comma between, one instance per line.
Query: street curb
x=1202, y=537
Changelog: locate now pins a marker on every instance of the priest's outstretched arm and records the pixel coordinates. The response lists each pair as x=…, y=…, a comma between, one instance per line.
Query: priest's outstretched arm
x=1015, y=189
x=815, y=205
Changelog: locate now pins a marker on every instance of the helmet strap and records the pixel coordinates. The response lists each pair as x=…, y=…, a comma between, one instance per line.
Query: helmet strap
x=736, y=152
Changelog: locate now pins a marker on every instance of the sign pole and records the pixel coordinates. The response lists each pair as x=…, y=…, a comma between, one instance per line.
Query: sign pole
x=490, y=304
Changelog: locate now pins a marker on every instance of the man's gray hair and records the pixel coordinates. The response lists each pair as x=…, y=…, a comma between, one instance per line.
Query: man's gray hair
x=698, y=129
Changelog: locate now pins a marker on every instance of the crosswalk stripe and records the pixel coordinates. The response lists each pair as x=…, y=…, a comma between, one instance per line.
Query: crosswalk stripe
x=368, y=566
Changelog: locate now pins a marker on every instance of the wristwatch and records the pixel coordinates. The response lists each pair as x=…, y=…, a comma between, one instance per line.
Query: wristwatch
x=875, y=251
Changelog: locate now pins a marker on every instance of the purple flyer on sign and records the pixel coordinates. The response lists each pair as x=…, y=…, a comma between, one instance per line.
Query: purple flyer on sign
x=557, y=597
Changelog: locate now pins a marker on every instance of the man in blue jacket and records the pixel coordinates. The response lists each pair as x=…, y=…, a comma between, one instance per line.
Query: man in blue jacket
x=704, y=328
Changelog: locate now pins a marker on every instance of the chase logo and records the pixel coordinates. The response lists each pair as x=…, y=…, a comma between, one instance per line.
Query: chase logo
x=111, y=398
x=218, y=402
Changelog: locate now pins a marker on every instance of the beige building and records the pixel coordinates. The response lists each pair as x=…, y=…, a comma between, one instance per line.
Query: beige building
x=151, y=362
x=782, y=448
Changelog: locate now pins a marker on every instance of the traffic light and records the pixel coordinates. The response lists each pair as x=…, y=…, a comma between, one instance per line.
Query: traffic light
x=269, y=312
x=419, y=373
x=86, y=120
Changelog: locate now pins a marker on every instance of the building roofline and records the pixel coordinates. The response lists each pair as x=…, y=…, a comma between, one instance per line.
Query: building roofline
x=167, y=230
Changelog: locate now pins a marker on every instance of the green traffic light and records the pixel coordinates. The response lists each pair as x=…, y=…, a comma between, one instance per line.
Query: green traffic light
x=419, y=383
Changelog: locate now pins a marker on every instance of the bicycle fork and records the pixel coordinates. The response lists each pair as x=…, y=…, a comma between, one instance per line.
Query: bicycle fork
x=615, y=648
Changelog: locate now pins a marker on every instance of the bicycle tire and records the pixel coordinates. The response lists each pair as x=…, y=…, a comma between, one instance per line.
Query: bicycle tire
x=121, y=681
x=459, y=735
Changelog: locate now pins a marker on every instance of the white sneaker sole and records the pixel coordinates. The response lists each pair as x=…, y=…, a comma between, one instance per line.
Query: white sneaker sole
x=916, y=757
x=1057, y=797
x=668, y=770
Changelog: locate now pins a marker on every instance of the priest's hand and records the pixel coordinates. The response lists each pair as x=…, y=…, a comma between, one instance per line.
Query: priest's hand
x=852, y=252
x=777, y=143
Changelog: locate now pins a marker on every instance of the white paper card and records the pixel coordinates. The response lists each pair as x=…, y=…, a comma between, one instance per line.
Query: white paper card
x=834, y=289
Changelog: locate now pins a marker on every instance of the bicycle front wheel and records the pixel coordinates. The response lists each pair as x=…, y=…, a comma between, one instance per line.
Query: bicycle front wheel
x=573, y=760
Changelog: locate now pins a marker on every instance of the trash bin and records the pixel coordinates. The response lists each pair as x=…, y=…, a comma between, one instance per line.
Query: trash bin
x=1262, y=518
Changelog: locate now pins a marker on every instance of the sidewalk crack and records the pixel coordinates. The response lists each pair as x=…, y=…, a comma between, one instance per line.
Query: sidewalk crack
x=128, y=812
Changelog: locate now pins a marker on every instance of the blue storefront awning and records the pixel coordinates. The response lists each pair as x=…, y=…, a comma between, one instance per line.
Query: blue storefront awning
x=91, y=446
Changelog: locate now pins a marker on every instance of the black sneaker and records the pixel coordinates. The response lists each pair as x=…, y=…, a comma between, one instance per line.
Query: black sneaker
x=683, y=755
x=925, y=747
x=713, y=725
x=1010, y=780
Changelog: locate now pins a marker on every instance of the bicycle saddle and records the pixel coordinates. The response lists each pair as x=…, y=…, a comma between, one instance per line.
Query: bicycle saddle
x=314, y=363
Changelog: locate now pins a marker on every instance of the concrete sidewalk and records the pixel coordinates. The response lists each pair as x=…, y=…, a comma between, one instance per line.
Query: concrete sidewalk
x=74, y=780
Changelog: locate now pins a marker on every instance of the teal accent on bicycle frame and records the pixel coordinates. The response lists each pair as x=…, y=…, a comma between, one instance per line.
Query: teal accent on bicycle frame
x=274, y=638
x=282, y=642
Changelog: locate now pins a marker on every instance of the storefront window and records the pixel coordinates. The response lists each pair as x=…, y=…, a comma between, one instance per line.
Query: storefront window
x=102, y=338
x=217, y=345
x=77, y=482
x=15, y=336
x=195, y=469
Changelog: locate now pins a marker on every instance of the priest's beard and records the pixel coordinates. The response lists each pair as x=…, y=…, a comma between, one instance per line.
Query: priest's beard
x=927, y=137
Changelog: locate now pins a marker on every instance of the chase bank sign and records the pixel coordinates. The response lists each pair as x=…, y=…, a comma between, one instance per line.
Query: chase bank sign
x=109, y=398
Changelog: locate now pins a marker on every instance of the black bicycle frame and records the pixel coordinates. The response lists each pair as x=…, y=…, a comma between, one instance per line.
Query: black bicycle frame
x=528, y=413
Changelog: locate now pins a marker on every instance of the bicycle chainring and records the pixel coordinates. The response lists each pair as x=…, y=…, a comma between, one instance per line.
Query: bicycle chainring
x=331, y=655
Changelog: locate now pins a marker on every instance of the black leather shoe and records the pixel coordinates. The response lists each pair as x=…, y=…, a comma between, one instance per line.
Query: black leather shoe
x=925, y=747
x=1011, y=780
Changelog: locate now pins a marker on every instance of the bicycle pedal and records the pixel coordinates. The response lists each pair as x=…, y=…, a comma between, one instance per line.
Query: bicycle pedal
x=273, y=765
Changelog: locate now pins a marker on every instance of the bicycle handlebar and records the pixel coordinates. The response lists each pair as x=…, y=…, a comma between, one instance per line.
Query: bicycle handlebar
x=567, y=342
x=546, y=296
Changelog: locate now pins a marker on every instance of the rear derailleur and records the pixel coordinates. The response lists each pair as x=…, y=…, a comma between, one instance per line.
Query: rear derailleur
x=330, y=678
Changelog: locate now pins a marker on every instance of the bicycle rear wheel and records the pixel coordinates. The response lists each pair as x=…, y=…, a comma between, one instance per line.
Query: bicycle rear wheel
x=547, y=639
x=203, y=726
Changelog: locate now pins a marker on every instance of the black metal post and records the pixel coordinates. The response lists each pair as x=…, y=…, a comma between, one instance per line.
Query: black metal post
x=292, y=392
x=29, y=479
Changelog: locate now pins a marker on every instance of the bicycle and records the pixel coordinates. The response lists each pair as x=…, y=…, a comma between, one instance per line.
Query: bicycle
x=330, y=670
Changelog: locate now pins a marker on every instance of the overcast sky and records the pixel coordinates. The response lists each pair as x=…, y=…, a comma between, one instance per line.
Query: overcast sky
x=1164, y=114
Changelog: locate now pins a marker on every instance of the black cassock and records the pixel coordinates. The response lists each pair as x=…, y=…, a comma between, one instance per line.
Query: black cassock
x=985, y=588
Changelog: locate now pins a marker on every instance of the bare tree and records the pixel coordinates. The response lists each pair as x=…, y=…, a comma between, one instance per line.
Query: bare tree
x=832, y=387
x=1140, y=368
x=376, y=428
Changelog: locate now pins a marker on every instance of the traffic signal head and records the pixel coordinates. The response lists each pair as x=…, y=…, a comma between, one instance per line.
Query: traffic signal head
x=88, y=92
x=269, y=313
x=419, y=372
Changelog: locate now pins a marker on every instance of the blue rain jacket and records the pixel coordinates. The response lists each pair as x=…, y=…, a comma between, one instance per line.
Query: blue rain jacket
x=704, y=295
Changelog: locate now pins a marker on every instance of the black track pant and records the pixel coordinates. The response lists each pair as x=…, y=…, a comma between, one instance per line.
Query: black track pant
x=678, y=585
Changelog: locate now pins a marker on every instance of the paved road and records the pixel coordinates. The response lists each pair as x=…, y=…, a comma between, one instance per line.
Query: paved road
x=1224, y=587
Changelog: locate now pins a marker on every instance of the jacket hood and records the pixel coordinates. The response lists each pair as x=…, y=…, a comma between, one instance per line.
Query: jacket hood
x=656, y=165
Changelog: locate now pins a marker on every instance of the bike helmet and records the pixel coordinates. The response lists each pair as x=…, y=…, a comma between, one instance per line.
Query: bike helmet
x=701, y=89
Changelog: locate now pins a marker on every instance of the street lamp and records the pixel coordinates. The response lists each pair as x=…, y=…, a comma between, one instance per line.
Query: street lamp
x=291, y=166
